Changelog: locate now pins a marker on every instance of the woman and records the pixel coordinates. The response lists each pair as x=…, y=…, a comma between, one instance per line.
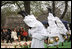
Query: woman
x=23, y=33
x=14, y=35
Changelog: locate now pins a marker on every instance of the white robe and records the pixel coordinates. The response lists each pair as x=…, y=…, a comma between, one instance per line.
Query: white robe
x=36, y=43
x=53, y=29
x=61, y=26
x=37, y=31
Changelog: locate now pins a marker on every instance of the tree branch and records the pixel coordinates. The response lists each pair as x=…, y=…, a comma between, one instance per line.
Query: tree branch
x=19, y=6
x=65, y=10
x=2, y=4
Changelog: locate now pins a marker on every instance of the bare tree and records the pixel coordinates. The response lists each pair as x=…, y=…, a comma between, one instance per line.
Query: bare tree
x=53, y=7
x=18, y=6
x=65, y=10
x=27, y=6
x=6, y=2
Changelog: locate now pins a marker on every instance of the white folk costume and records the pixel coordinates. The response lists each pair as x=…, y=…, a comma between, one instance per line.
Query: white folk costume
x=14, y=35
x=61, y=27
x=37, y=31
x=53, y=29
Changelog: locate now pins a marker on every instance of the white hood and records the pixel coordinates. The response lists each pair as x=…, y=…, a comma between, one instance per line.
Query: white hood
x=52, y=28
x=38, y=30
x=51, y=20
x=30, y=20
x=50, y=16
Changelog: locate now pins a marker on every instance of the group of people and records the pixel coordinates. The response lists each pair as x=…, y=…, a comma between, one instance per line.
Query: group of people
x=13, y=34
x=55, y=32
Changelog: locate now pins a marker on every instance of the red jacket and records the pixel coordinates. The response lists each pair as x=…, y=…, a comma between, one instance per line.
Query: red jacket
x=25, y=33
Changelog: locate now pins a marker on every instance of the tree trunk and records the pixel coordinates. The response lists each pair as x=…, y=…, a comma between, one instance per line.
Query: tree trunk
x=27, y=6
x=53, y=9
x=65, y=10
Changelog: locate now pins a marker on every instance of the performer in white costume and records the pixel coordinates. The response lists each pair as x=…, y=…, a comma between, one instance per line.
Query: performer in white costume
x=53, y=29
x=61, y=27
x=56, y=27
x=37, y=31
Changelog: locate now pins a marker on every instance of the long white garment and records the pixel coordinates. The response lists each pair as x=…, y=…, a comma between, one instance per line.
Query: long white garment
x=52, y=26
x=37, y=31
x=36, y=43
x=53, y=29
x=61, y=26
x=14, y=35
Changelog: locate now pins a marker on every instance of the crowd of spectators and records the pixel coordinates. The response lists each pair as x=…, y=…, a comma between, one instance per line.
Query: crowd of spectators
x=13, y=34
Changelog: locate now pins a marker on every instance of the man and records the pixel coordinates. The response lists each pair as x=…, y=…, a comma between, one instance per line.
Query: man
x=56, y=27
x=53, y=29
x=9, y=35
x=62, y=28
x=37, y=30
x=3, y=34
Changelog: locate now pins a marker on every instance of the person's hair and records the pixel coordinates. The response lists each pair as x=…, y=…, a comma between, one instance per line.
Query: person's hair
x=13, y=29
